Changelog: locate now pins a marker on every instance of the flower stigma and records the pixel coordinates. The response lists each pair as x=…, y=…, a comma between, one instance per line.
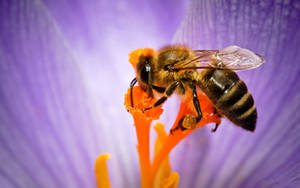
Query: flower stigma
x=157, y=173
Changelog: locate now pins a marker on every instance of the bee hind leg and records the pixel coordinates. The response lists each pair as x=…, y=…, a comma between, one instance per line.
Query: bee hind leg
x=179, y=126
x=196, y=104
x=217, y=124
x=190, y=121
x=216, y=127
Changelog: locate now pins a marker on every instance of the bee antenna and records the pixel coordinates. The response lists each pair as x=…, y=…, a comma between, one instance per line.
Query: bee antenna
x=132, y=83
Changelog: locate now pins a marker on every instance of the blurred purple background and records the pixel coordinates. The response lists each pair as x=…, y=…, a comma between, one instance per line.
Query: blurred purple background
x=64, y=71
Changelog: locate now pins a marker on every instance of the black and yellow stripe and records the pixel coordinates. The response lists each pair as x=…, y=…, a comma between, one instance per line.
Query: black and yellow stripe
x=230, y=96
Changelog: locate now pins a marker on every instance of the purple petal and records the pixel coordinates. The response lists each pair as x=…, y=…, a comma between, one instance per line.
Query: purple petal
x=270, y=156
x=64, y=71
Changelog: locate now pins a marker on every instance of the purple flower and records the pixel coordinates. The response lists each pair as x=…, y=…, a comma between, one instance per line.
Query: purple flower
x=64, y=71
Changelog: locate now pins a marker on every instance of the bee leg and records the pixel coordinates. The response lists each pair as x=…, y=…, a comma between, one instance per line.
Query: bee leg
x=179, y=126
x=169, y=91
x=217, y=124
x=190, y=121
x=216, y=127
x=132, y=83
x=196, y=103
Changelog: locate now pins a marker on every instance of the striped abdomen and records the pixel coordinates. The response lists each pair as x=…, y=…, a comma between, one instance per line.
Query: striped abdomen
x=230, y=96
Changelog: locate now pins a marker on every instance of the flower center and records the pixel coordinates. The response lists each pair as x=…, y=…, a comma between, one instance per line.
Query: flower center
x=157, y=173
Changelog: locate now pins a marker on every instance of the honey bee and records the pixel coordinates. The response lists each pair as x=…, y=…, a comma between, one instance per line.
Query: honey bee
x=176, y=69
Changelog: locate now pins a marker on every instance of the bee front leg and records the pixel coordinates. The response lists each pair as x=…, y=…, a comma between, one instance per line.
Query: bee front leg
x=169, y=91
x=132, y=83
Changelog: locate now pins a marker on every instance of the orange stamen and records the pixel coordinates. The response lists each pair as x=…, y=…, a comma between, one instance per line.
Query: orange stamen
x=101, y=171
x=172, y=181
x=142, y=122
x=173, y=139
x=164, y=171
x=158, y=174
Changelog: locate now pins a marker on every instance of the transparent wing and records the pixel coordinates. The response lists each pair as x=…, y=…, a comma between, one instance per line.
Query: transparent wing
x=232, y=57
x=202, y=60
x=237, y=58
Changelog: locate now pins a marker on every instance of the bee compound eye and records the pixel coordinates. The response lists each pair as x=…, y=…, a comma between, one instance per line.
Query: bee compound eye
x=144, y=75
x=146, y=70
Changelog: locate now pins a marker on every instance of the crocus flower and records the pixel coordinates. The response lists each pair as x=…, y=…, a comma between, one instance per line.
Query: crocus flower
x=64, y=71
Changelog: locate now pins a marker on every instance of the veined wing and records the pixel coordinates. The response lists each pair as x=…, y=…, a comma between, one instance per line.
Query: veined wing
x=232, y=57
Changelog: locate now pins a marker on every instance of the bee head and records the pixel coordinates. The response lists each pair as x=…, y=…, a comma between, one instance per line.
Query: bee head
x=141, y=59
